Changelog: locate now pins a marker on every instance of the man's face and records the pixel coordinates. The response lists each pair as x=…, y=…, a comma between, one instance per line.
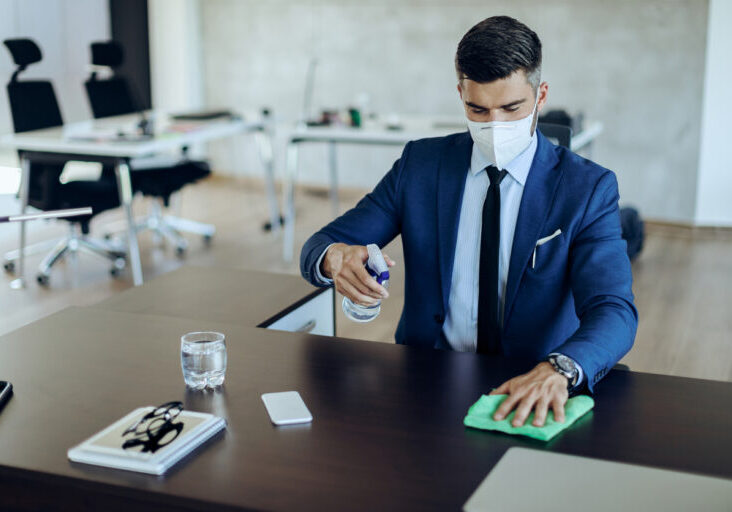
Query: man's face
x=507, y=99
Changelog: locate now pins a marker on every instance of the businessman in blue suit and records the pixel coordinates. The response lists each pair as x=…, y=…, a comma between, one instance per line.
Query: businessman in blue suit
x=512, y=245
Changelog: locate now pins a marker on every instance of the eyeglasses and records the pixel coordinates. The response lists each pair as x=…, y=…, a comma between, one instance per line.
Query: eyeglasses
x=155, y=429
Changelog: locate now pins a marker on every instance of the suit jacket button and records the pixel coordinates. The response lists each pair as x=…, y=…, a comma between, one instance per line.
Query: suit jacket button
x=439, y=318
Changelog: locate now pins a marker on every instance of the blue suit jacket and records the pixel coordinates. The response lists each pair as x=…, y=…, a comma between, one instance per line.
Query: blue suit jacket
x=576, y=300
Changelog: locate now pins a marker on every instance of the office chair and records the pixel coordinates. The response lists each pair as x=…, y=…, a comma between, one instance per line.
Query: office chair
x=113, y=96
x=557, y=133
x=33, y=106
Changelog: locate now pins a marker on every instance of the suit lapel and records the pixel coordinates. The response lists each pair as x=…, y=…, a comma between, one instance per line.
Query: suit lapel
x=537, y=199
x=452, y=173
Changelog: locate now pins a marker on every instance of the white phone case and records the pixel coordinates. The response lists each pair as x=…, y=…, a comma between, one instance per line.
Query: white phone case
x=286, y=408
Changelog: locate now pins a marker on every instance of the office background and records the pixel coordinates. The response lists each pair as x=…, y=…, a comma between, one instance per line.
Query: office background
x=87, y=345
x=639, y=67
x=654, y=72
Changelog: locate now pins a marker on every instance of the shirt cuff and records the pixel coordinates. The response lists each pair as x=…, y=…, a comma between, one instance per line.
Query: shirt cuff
x=580, y=375
x=319, y=275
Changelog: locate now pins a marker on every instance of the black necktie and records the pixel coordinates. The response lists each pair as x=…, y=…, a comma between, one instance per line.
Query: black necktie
x=489, y=332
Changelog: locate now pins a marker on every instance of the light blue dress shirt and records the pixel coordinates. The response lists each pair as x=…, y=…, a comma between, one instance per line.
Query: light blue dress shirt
x=460, y=329
x=461, y=321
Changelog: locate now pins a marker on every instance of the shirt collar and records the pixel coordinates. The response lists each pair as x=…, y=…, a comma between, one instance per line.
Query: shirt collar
x=518, y=168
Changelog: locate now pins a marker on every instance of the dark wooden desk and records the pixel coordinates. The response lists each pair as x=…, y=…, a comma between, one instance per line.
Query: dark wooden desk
x=387, y=431
x=236, y=296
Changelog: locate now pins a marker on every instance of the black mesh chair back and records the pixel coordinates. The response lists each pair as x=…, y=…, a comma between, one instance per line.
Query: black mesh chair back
x=114, y=96
x=109, y=96
x=557, y=133
x=33, y=106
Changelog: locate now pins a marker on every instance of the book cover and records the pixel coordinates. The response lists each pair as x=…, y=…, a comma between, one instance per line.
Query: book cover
x=179, y=435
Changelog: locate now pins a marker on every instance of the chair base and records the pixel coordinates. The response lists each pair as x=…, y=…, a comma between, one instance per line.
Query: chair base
x=81, y=243
x=71, y=244
x=11, y=257
x=171, y=228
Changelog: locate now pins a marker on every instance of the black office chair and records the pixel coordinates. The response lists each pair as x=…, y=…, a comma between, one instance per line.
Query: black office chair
x=33, y=106
x=557, y=133
x=113, y=96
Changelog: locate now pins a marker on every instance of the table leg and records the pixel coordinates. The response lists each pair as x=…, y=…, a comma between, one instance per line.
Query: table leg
x=333, y=164
x=19, y=283
x=124, y=184
x=288, y=240
x=266, y=156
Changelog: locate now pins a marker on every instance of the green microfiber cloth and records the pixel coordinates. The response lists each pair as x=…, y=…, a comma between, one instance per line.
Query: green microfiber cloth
x=480, y=415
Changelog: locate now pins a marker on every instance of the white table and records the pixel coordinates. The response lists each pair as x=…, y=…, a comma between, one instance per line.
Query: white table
x=94, y=141
x=374, y=133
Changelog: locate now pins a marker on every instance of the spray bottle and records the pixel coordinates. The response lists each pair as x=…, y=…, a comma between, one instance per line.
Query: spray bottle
x=377, y=267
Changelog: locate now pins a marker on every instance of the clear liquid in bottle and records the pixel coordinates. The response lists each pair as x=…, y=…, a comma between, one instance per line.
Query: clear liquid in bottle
x=379, y=270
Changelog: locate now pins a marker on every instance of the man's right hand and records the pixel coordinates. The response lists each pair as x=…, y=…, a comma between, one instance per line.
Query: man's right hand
x=345, y=265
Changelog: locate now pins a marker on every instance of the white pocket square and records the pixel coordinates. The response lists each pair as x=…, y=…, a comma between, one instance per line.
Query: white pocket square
x=541, y=242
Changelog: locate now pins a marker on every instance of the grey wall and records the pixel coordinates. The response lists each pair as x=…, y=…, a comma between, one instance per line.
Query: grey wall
x=637, y=66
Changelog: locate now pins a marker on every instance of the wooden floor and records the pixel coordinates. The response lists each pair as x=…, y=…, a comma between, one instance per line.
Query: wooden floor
x=683, y=279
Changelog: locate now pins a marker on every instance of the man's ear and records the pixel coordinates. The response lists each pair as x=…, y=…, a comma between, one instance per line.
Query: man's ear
x=543, y=93
x=460, y=90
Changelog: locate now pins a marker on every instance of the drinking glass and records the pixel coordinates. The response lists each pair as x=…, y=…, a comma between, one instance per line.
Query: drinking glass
x=203, y=359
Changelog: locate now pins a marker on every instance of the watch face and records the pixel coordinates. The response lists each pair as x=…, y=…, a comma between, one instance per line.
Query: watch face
x=566, y=364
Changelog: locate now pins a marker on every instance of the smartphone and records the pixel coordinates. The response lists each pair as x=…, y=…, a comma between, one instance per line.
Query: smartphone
x=286, y=408
x=6, y=391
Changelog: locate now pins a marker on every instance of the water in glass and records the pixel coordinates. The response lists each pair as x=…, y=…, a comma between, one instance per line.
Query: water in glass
x=203, y=359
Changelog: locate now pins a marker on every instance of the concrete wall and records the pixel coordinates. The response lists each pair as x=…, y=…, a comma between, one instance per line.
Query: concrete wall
x=637, y=66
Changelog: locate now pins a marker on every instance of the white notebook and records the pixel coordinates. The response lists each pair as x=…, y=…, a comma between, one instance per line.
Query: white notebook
x=105, y=447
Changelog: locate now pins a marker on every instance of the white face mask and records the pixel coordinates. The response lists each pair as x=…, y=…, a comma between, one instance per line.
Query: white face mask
x=502, y=141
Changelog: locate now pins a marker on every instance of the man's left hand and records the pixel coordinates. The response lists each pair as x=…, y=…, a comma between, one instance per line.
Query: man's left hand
x=539, y=389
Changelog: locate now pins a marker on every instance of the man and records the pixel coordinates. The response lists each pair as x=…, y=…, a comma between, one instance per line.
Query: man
x=511, y=244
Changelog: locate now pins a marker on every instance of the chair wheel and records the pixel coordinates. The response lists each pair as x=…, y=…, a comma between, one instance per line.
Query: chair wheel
x=180, y=251
x=207, y=240
x=267, y=226
x=42, y=279
x=9, y=267
x=108, y=236
x=118, y=266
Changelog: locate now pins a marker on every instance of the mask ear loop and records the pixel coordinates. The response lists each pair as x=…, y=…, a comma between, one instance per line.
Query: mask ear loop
x=534, y=111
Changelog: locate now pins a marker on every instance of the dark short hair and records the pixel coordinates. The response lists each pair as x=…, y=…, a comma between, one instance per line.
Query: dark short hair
x=497, y=47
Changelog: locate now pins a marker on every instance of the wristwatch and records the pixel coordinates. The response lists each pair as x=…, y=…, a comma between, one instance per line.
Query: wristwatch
x=565, y=366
